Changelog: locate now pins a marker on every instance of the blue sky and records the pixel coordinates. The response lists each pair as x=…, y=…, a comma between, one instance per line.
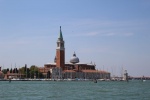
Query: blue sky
x=114, y=34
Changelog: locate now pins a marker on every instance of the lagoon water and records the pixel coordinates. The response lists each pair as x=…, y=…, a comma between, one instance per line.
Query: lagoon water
x=74, y=90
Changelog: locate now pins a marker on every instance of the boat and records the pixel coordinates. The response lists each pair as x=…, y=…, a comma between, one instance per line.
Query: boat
x=143, y=80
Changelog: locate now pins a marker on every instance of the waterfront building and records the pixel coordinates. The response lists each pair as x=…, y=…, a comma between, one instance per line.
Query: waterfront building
x=14, y=75
x=60, y=69
x=1, y=74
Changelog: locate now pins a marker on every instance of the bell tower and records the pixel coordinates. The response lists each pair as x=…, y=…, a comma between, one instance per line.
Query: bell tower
x=60, y=51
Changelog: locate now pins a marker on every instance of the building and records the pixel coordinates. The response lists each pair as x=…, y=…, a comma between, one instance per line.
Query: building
x=60, y=69
x=1, y=74
x=14, y=75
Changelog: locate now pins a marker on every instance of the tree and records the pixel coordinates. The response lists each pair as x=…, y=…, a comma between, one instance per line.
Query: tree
x=7, y=69
x=11, y=70
x=4, y=71
x=31, y=72
x=34, y=71
x=15, y=70
x=21, y=70
x=41, y=75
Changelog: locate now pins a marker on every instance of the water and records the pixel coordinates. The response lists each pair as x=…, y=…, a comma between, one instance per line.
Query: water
x=74, y=90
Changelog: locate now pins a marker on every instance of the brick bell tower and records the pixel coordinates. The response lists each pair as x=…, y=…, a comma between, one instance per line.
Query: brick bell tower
x=60, y=51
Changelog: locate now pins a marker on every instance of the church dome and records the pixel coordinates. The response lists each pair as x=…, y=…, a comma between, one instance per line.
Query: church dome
x=74, y=59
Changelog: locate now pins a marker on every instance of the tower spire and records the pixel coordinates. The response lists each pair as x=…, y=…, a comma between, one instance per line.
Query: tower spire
x=60, y=34
x=74, y=54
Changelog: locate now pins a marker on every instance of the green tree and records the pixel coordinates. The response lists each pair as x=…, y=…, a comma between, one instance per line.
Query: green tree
x=4, y=71
x=31, y=72
x=22, y=71
x=34, y=71
x=11, y=70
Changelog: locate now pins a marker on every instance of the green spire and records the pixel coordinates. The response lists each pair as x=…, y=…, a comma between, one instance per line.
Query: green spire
x=60, y=36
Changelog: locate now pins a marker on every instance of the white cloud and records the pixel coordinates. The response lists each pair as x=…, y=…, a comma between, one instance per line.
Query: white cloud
x=96, y=27
x=93, y=27
x=95, y=49
x=106, y=34
x=128, y=34
x=118, y=34
x=92, y=33
x=110, y=34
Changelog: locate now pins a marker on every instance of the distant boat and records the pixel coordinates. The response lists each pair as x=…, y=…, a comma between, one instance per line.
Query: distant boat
x=143, y=80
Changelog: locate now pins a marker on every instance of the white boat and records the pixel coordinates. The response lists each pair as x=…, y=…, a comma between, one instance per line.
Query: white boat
x=143, y=80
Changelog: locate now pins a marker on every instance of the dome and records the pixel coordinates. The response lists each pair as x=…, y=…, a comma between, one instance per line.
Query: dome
x=74, y=59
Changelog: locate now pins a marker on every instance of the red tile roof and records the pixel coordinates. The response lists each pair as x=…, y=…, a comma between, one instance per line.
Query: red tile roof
x=87, y=71
x=94, y=71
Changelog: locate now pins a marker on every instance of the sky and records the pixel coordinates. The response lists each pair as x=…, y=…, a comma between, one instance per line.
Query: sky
x=113, y=34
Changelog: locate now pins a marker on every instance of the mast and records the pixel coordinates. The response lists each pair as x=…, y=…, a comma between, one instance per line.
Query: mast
x=11, y=68
x=15, y=67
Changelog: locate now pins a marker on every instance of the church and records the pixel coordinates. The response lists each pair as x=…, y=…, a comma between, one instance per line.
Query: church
x=73, y=69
